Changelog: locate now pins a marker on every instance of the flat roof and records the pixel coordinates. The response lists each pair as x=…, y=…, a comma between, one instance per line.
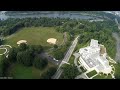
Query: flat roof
x=94, y=43
x=91, y=57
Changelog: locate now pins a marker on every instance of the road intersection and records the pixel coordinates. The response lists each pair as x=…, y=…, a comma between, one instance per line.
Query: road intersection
x=66, y=58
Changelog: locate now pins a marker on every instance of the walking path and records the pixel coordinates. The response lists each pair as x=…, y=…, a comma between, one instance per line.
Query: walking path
x=6, y=49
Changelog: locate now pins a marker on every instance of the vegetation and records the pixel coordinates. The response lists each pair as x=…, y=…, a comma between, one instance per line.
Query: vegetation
x=25, y=58
x=35, y=36
x=23, y=47
x=21, y=60
x=4, y=64
x=2, y=51
x=12, y=55
x=117, y=70
x=92, y=73
x=43, y=28
x=71, y=60
x=70, y=71
x=102, y=76
x=60, y=52
x=55, y=46
x=39, y=63
x=49, y=73
x=19, y=71
x=11, y=25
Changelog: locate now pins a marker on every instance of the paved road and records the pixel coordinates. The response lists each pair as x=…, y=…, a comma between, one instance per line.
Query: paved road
x=49, y=58
x=116, y=36
x=66, y=58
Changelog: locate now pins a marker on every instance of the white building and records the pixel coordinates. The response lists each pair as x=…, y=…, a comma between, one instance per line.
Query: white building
x=92, y=59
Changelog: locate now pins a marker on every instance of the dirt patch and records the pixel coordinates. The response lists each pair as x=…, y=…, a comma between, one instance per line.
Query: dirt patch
x=52, y=41
x=22, y=41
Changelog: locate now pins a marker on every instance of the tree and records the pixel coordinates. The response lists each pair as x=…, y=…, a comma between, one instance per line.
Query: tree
x=49, y=73
x=23, y=47
x=36, y=48
x=26, y=24
x=58, y=54
x=81, y=26
x=55, y=46
x=40, y=63
x=1, y=68
x=25, y=58
x=69, y=71
x=4, y=64
x=12, y=55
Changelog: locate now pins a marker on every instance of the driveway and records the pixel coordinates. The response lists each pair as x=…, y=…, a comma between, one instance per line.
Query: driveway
x=49, y=58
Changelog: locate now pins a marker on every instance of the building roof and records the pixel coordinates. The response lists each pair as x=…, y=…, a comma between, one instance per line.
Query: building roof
x=91, y=58
x=94, y=43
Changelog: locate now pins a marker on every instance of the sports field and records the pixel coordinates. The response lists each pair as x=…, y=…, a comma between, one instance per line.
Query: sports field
x=35, y=36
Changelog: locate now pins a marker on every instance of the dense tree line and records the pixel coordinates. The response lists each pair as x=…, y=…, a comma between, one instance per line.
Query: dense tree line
x=47, y=74
x=40, y=63
x=11, y=25
x=102, y=31
x=69, y=71
x=4, y=64
x=59, y=53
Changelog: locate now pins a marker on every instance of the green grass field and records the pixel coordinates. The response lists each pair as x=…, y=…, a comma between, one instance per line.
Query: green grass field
x=18, y=71
x=117, y=70
x=92, y=73
x=71, y=60
x=0, y=57
x=102, y=77
x=35, y=36
x=2, y=51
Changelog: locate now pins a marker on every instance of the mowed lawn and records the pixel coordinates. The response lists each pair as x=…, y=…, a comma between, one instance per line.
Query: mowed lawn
x=19, y=71
x=2, y=51
x=35, y=36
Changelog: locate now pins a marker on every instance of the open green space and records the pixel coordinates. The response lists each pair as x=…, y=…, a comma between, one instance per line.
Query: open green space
x=35, y=36
x=102, y=76
x=117, y=70
x=2, y=51
x=19, y=71
x=92, y=73
x=71, y=60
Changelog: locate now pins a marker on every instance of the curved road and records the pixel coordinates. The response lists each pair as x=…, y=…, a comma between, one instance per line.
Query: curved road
x=116, y=36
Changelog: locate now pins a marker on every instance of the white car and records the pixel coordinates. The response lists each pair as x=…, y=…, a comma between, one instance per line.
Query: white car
x=55, y=59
